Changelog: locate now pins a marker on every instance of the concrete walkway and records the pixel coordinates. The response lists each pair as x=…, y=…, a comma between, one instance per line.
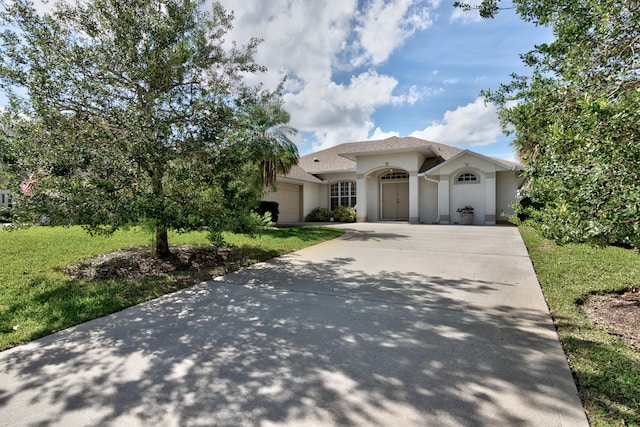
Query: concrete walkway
x=392, y=324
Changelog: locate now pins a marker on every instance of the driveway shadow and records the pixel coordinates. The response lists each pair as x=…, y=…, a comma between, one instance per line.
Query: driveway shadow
x=389, y=348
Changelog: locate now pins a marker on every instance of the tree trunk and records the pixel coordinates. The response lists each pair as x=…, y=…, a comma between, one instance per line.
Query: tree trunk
x=162, y=242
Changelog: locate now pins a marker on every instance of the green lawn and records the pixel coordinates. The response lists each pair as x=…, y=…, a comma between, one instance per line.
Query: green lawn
x=606, y=370
x=36, y=298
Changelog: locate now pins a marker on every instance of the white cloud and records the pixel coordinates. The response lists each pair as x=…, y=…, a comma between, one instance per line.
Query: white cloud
x=474, y=124
x=337, y=113
x=385, y=25
x=416, y=94
x=301, y=38
x=310, y=40
x=380, y=134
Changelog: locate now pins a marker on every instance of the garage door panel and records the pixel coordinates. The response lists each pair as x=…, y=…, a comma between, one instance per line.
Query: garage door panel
x=288, y=198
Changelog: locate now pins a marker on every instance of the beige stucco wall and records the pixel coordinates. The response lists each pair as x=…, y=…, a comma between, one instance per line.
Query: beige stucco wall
x=506, y=189
x=468, y=194
x=373, y=197
x=409, y=162
x=428, y=201
x=485, y=196
x=371, y=167
x=312, y=197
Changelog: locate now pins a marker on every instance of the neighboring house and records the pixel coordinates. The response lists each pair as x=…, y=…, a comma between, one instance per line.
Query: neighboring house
x=399, y=179
x=5, y=199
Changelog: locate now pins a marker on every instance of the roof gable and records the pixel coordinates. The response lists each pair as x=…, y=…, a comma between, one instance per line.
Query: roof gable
x=342, y=158
x=501, y=164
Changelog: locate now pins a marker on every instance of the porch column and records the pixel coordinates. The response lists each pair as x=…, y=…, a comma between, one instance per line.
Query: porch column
x=490, y=198
x=414, y=199
x=443, y=199
x=361, y=198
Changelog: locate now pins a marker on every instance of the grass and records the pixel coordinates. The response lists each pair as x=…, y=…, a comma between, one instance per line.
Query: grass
x=36, y=298
x=606, y=371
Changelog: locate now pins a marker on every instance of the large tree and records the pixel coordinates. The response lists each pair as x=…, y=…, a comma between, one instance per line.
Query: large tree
x=576, y=119
x=135, y=111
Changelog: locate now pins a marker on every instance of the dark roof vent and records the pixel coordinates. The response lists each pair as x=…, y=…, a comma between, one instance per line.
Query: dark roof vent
x=316, y=160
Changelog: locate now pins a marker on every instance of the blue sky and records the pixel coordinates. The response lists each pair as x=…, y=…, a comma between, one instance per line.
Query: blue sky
x=370, y=69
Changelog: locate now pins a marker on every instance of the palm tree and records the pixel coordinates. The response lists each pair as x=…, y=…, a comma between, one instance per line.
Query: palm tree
x=275, y=152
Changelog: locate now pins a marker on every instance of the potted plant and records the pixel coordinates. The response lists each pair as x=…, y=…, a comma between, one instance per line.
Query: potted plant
x=466, y=215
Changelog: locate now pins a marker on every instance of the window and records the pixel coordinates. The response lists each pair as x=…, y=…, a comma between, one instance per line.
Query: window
x=343, y=194
x=467, y=177
x=394, y=176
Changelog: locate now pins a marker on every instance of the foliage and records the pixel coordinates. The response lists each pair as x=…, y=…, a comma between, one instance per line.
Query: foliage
x=607, y=371
x=37, y=298
x=318, y=215
x=271, y=140
x=271, y=207
x=345, y=214
x=136, y=112
x=465, y=210
x=486, y=9
x=6, y=214
x=576, y=119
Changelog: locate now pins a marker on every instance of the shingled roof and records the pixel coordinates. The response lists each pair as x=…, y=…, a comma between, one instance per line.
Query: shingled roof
x=341, y=158
x=300, y=174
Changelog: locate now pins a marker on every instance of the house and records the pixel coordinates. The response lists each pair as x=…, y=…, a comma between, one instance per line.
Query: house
x=5, y=199
x=399, y=179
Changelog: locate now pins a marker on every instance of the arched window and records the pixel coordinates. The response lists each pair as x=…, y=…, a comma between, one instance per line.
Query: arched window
x=394, y=176
x=343, y=194
x=466, y=177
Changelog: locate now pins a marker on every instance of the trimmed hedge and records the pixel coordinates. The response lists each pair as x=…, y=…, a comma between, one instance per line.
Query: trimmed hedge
x=341, y=214
x=319, y=215
x=345, y=214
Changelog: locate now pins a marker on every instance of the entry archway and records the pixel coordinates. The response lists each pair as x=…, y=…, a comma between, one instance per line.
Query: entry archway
x=394, y=196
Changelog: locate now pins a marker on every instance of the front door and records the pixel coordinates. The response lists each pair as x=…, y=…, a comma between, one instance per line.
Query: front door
x=395, y=201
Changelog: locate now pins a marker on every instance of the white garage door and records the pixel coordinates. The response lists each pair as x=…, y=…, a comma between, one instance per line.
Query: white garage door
x=288, y=198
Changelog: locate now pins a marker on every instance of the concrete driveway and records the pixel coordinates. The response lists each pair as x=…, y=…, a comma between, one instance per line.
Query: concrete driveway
x=392, y=324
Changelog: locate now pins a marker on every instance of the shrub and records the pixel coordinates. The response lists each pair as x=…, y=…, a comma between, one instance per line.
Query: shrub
x=527, y=207
x=6, y=215
x=319, y=215
x=271, y=207
x=345, y=214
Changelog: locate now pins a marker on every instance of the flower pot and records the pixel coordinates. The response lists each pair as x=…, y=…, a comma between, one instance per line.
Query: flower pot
x=466, y=218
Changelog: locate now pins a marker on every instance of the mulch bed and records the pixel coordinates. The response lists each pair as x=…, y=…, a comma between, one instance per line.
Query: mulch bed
x=139, y=262
x=619, y=314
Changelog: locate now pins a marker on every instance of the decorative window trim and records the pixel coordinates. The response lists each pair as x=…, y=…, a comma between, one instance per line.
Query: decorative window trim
x=467, y=177
x=342, y=193
x=395, y=176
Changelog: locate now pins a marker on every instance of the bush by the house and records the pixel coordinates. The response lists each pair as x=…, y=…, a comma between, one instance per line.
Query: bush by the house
x=5, y=214
x=345, y=214
x=271, y=207
x=527, y=207
x=319, y=215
